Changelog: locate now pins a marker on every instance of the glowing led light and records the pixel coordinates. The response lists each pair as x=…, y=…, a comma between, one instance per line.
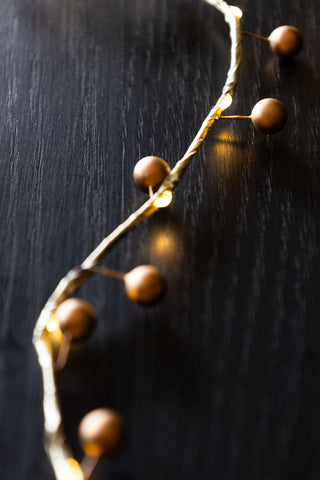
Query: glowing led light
x=53, y=328
x=75, y=469
x=236, y=11
x=226, y=102
x=164, y=199
x=53, y=324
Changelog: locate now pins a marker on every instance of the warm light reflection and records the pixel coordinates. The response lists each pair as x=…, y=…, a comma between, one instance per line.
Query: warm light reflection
x=164, y=244
x=164, y=199
x=236, y=11
x=223, y=135
x=227, y=152
x=75, y=469
x=226, y=102
x=223, y=149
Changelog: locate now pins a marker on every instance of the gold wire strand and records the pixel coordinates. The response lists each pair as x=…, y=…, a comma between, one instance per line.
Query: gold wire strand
x=55, y=444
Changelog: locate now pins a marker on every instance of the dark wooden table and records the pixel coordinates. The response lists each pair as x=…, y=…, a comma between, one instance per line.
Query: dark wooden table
x=222, y=379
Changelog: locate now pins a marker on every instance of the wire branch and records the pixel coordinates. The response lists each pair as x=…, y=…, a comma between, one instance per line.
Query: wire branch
x=55, y=444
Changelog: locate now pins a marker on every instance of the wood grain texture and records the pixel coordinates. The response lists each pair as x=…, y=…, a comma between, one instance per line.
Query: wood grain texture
x=222, y=380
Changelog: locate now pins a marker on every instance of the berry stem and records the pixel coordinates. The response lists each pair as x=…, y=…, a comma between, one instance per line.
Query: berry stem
x=88, y=464
x=107, y=272
x=151, y=192
x=260, y=37
x=63, y=352
x=236, y=117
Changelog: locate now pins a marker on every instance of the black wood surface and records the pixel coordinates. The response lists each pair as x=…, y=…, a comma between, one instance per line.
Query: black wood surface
x=222, y=379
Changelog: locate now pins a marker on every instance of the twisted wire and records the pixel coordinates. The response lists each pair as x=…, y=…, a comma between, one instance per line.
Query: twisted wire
x=55, y=443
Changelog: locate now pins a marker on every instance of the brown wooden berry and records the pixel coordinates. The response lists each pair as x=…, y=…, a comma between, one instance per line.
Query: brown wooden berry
x=101, y=432
x=286, y=41
x=150, y=172
x=269, y=115
x=76, y=317
x=144, y=284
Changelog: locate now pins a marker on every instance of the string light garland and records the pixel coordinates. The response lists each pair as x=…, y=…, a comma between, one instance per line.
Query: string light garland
x=65, y=319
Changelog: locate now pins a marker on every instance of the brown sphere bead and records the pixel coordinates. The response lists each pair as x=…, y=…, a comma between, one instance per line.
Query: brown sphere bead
x=101, y=432
x=144, y=284
x=150, y=172
x=269, y=115
x=286, y=41
x=76, y=317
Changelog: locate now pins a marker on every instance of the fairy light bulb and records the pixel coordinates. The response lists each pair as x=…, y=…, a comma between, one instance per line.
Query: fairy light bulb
x=54, y=331
x=164, y=199
x=236, y=10
x=53, y=324
x=226, y=102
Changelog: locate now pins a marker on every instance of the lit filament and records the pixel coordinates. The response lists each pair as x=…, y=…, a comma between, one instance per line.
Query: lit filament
x=164, y=199
x=226, y=102
x=52, y=324
x=53, y=328
x=236, y=11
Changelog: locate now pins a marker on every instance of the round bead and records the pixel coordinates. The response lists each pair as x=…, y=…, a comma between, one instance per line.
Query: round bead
x=150, y=172
x=269, y=115
x=144, y=284
x=101, y=432
x=76, y=317
x=286, y=41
